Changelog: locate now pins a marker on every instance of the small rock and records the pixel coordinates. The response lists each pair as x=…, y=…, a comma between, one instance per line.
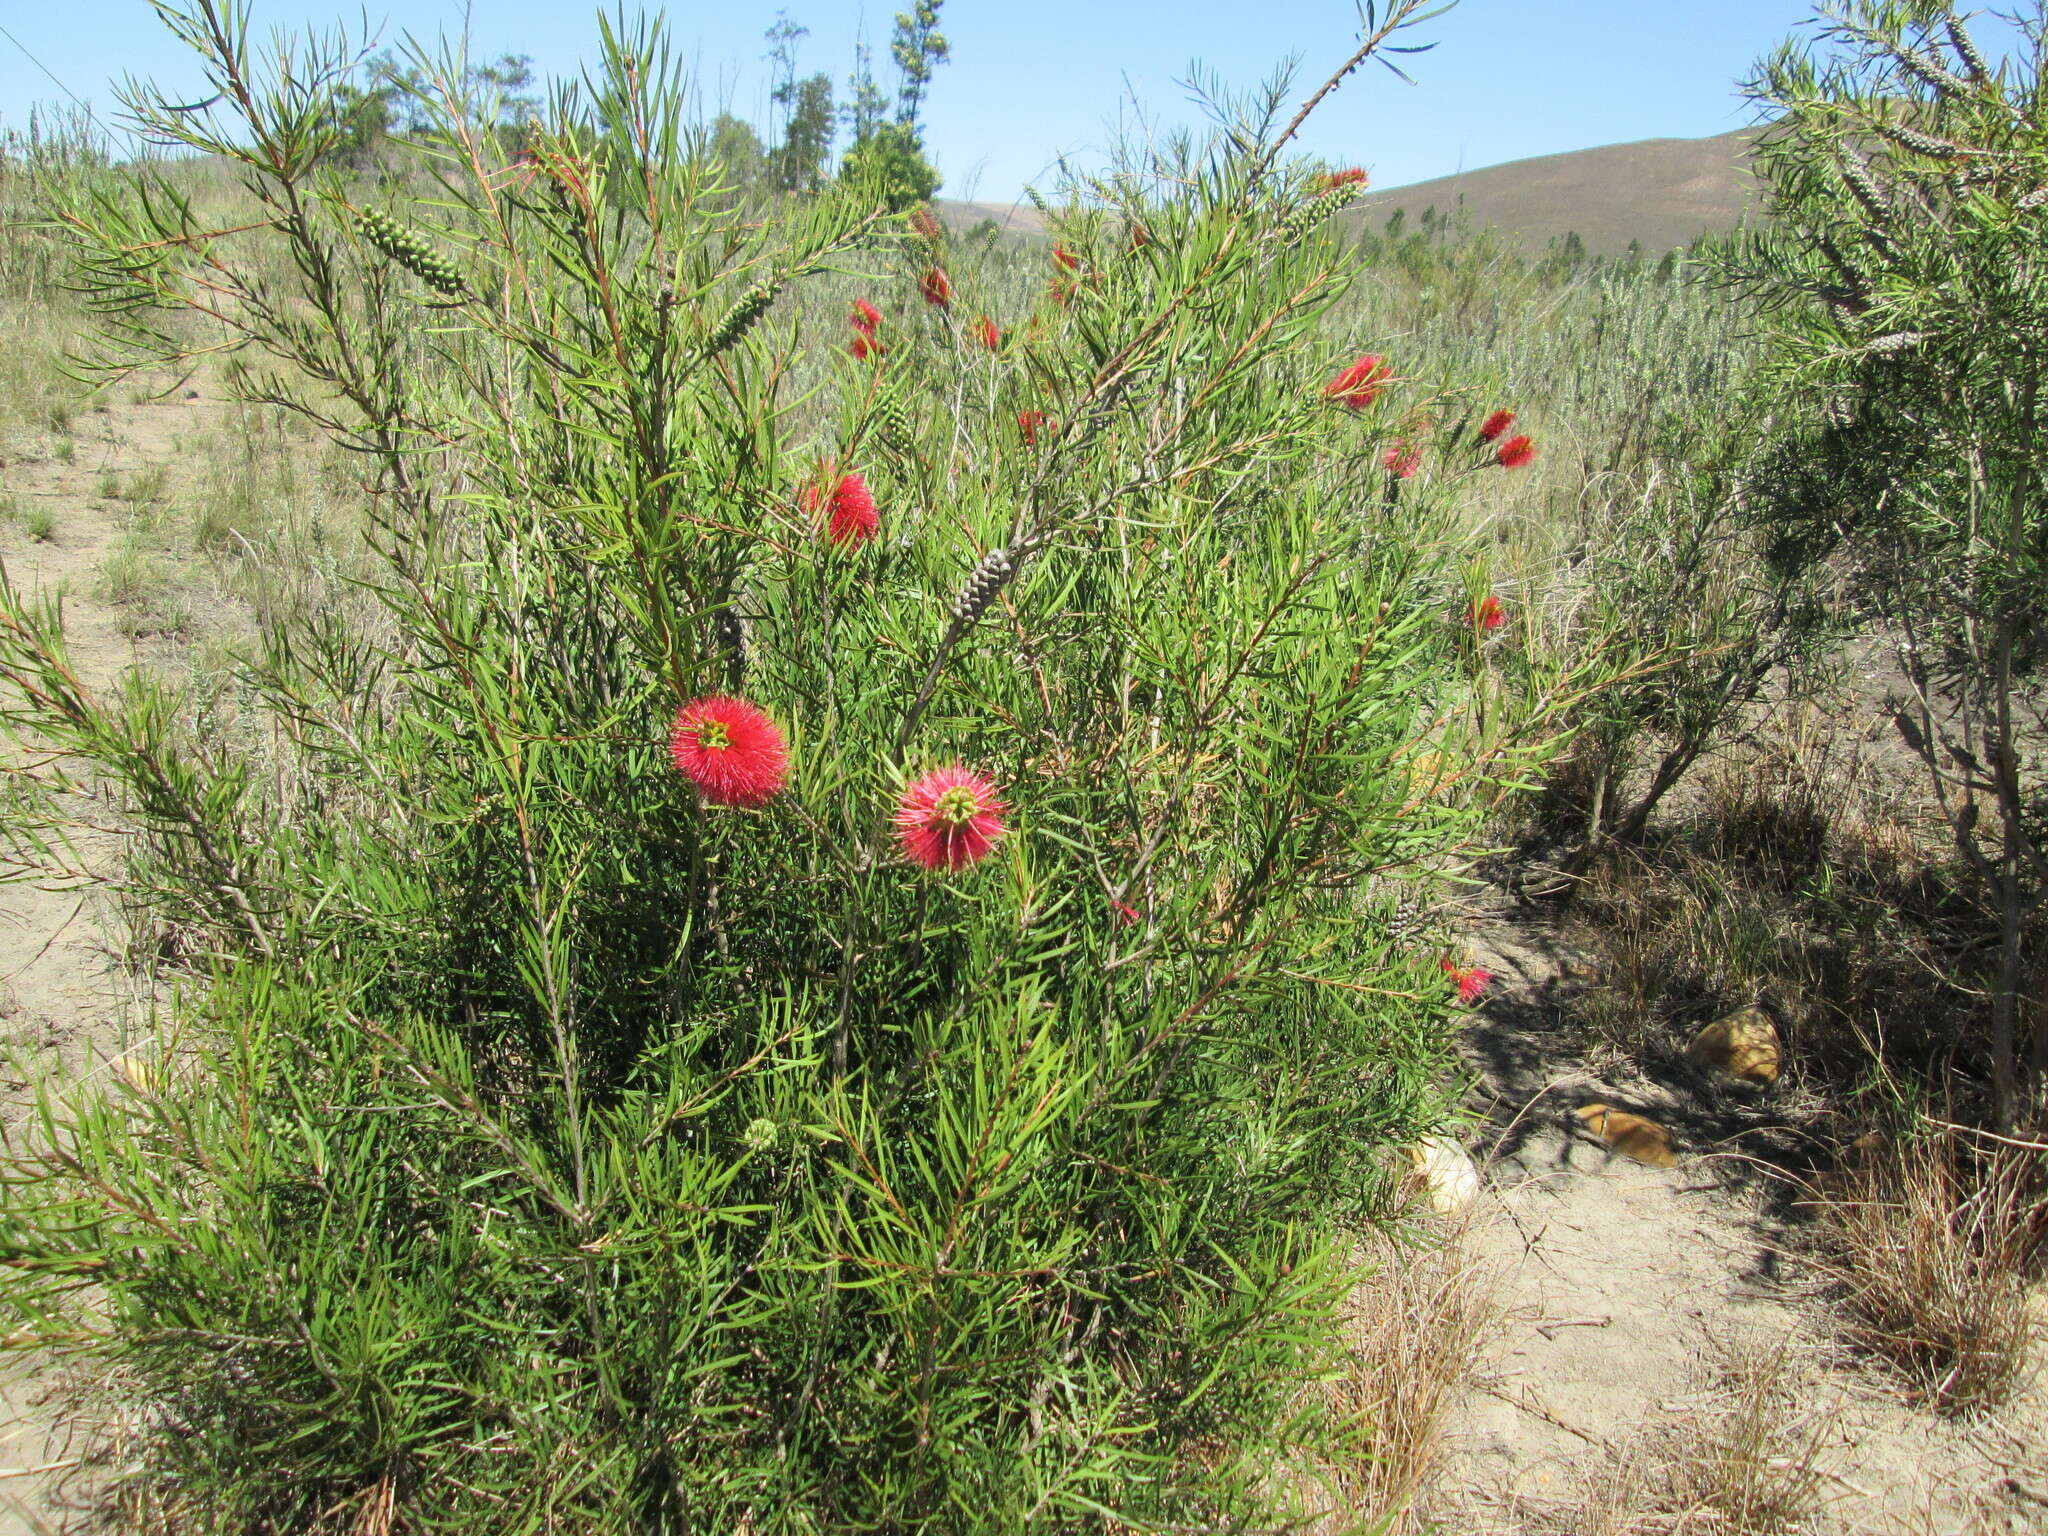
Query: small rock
x=1445, y=1173
x=1743, y=1044
x=1631, y=1135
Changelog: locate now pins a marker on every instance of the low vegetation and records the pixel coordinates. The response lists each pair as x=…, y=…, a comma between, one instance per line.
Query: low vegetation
x=798, y=858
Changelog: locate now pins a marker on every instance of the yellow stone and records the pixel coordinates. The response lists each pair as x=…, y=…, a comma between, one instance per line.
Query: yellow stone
x=1631, y=1135
x=1743, y=1044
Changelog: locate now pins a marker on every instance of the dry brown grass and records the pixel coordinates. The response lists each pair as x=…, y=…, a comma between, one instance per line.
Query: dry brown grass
x=1412, y=1335
x=1744, y=1462
x=1927, y=1248
x=1800, y=876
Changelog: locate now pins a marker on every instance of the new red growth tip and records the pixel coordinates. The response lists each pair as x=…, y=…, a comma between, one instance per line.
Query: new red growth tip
x=949, y=819
x=1358, y=386
x=730, y=750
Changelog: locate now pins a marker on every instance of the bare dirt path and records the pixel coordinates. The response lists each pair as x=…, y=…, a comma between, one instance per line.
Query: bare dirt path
x=65, y=1007
x=1635, y=1303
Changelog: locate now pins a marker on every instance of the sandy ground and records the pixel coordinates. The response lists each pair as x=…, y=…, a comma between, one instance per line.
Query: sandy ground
x=1625, y=1290
x=66, y=1005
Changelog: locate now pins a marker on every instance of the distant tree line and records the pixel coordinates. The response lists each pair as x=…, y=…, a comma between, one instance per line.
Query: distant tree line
x=885, y=141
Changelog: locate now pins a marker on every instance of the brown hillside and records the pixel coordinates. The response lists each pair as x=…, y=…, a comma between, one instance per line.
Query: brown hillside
x=1663, y=192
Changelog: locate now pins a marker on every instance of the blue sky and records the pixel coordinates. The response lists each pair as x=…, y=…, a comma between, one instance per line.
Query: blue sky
x=1030, y=81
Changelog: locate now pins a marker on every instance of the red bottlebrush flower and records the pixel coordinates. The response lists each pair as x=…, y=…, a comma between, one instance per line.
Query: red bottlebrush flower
x=850, y=515
x=1515, y=452
x=1487, y=614
x=936, y=287
x=925, y=224
x=1471, y=981
x=865, y=317
x=865, y=346
x=984, y=331
x=1032, y=423
x=949, y=819
x=1063, y=290
x=1065, y=259
x=1126, y=914
x=730, y=750
x=1496, y=424
x=1358, y=386
x=1350, y=176
x=1403, y=460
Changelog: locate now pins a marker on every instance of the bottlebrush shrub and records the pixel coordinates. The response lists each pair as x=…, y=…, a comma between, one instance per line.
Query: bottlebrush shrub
x=550, y=1147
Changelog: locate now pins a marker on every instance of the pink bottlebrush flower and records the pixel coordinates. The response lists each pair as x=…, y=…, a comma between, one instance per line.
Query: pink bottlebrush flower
x=849, y=507
x=1496, y=424
x=1065, y=259
x=949, y=819
x=1515, y=452
x=936, y=287
x=865, y=317
x=984, y=331
x=1350, y=176
x=1357, y=386
x=1487, y=614
x=730, y=750
x=1403, y=460
x=865, y=347
x=1032, y=423
x=1471, y=981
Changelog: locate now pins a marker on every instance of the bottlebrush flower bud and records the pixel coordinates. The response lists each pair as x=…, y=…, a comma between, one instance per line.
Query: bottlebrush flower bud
x=409, y=251
x=740, y=318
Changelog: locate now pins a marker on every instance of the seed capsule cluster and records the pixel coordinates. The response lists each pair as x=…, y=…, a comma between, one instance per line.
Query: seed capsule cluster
x=748, y=308
x=409, y=251
x=981, y=589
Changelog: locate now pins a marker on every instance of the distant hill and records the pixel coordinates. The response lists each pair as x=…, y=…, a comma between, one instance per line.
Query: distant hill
x=1010, y=218
x=1663, y=192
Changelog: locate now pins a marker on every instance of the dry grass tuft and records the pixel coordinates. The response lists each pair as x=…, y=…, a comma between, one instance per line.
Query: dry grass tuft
x=1795, y=875
x=1927, y=1247
x=1412, y=1336
x=1745, y=1462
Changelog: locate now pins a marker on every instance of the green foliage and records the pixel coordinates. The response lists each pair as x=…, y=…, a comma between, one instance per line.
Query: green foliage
x=545, y=1147
x=807, y=139
x=918, y=47
x=1903, y=274
x=888, y=165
